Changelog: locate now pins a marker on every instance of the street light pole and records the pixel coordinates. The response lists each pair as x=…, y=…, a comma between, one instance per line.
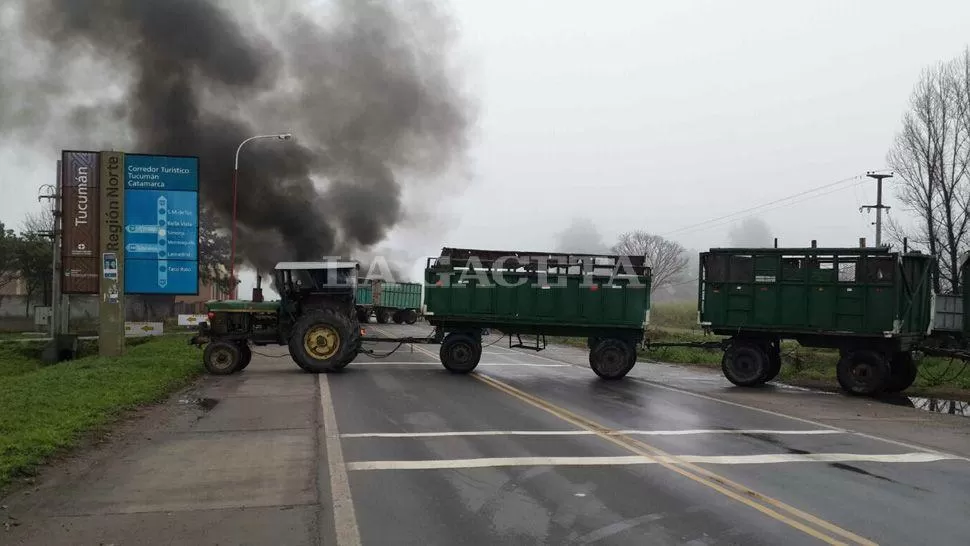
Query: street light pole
x=235, y=184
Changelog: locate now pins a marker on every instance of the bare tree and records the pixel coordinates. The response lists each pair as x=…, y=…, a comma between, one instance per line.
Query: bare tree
x=214, y=252
x=580, y=236
x=667, y=259
x=931, y=156
x=750, y=232
x=39, y=223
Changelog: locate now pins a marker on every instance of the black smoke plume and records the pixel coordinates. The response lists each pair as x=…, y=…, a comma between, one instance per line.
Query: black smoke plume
x=365, y=87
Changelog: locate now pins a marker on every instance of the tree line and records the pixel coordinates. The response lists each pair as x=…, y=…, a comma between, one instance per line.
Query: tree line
x=26, y=256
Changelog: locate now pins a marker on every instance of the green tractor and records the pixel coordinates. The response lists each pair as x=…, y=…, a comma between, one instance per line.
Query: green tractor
x=315, y=318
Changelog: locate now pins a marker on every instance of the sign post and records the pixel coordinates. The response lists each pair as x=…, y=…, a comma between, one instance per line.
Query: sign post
x=111, y=338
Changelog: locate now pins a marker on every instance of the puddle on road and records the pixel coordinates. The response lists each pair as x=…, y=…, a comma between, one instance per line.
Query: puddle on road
x=205, y=403
x=933, y=405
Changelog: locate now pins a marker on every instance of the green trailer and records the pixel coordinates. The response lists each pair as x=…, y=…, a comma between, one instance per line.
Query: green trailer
x=873, y=305
x=387, y=301
x=603, y=298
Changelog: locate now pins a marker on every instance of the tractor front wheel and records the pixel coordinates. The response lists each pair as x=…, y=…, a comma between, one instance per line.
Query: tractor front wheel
x=324, y=341
x=221, y=358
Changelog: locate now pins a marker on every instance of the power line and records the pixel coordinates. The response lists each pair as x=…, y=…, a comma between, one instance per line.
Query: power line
x=781, y=206
x=731, y=216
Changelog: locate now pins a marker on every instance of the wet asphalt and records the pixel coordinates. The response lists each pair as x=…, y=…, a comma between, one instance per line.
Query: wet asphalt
x=531, y=449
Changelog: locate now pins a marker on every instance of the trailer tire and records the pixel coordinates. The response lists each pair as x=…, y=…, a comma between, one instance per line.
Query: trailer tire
x=460, y=353
x=398, y=317
x=612, y=358
x=324, y=341
x=363, y=316
x=221, y=358
x=745, y=364
x=410, y=316
x=245, y=356
x=902, y=372
x=863, y=373
x=383, y=315
x=774, y=361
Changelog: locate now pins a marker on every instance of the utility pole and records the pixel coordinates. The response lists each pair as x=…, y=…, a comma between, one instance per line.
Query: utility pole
x=55, y=197
x=878, y=206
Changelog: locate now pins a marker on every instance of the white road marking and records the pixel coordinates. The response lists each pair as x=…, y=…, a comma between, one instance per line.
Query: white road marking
x=344, y=517
x=642, y=459
x=799, y=419
x=579, y=433
x=659, y=385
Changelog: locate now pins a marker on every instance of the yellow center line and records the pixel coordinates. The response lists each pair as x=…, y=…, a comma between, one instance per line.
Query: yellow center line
x=700, y=475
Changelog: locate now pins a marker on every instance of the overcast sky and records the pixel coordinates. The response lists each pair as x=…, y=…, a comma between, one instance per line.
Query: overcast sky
x=663, y=115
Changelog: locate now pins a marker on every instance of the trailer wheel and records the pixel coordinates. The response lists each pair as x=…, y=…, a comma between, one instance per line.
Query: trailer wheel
x=324, y=341
x=221, y=358
x=460, y=353
x=745, y=364
x=363, y=316
x=592, y=342
x=902, y=372
x=612, y=358
x=410, y=316
x=863, y=372
x=383, y=315
x=774, y=361
x=398, y=317
x=245, y=355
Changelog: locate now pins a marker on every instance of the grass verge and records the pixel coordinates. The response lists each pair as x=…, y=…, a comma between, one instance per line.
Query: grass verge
x=46, y=409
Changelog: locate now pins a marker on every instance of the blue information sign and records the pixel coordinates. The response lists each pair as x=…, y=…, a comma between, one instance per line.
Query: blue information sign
x=161, y=224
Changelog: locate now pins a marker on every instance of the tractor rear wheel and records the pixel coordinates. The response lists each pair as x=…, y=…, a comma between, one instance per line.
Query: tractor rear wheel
x=410, y=316
x=221, y=358
x=863, y=373
x=460, y=353
x=745, y=364
x=324, y=341
x=245, y=355
x=612, y=358
x=902, y=372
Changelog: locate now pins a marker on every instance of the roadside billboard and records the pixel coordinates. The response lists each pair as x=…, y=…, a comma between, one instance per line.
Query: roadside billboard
x=161, y=223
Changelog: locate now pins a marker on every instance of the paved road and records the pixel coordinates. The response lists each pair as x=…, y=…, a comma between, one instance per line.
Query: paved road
x=532, y=449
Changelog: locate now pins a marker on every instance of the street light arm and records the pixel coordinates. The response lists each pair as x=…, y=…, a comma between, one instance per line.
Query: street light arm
x=282, y=136
x=235, y=183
